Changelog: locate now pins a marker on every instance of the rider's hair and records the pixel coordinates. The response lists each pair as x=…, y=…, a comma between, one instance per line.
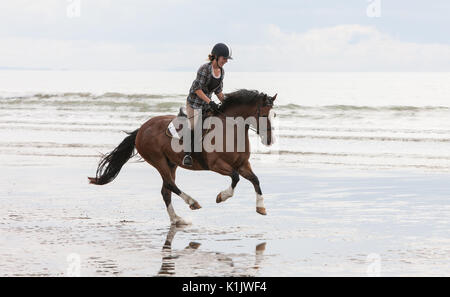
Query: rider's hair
x=211, y=57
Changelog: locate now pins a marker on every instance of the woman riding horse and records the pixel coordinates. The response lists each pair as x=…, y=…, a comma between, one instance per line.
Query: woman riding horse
x=209, y=79
x=240, y=111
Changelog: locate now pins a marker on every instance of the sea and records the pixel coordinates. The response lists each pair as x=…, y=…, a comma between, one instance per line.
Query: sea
x=351, y=120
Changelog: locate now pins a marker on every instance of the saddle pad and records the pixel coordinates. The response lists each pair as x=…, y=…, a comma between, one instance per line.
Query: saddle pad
x=173, y=131
x=180, y=117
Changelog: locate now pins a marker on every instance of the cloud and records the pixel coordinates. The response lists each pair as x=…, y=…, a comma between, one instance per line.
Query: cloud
x=337, y=48
x=342, y=48
x=88, y=55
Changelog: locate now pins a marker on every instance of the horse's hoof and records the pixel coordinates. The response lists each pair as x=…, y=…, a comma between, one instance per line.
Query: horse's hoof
x=193, y=245
x=92, y=180
x=261, y=210
x=219, y=198
x=261, y=247
x=195, y=206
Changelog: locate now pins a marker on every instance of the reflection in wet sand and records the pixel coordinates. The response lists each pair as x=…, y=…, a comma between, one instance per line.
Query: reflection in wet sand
x=202, y=259
x=326, y=228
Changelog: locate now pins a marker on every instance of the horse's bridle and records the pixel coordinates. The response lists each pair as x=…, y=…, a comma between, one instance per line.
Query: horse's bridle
x=258, y=113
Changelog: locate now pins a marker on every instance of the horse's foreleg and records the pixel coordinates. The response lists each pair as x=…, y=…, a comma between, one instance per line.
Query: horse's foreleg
x=246, y=172
x=228, y=193
x=225, y=169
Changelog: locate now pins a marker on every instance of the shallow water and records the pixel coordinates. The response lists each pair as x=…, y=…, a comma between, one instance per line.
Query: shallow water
x=319, y=222
x=357, y=183
x=374, y=121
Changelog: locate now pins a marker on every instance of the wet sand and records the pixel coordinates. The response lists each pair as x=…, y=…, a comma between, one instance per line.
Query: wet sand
x=319, y=223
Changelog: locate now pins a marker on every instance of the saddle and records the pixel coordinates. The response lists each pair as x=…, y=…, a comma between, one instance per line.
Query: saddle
x=171, y=131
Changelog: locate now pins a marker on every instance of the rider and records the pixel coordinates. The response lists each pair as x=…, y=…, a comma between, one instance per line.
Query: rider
x=209, y=79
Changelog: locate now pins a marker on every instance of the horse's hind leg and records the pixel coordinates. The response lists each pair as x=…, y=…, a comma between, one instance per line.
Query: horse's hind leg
x=174, y=218
x=169, y=184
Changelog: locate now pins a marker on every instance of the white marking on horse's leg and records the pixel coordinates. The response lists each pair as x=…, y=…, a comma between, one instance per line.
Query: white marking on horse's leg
x=225, y=194
x=259, y=201
x=171, y=212
x=193, y=204
x=174, y=219
x=188, y=199
x=260, y=208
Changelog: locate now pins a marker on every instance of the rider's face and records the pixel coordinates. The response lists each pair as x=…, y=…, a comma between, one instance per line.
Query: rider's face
x=222, y=61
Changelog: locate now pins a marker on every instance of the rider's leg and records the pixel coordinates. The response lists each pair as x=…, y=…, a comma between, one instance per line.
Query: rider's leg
x=194, y=117
x=188, y=144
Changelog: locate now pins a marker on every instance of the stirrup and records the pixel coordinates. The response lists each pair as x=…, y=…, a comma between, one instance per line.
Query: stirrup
x=187, y=160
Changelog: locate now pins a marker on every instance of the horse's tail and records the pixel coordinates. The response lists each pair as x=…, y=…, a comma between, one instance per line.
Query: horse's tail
x=110, y=165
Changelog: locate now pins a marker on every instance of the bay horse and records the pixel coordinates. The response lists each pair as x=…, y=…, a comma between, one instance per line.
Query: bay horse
x=155, y=146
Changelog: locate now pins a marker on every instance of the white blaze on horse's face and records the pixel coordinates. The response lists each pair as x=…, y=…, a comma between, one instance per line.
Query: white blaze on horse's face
x=266, y=128
x=266, y=121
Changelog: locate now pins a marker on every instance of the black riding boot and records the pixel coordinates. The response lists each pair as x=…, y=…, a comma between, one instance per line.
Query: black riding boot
x=187, y=160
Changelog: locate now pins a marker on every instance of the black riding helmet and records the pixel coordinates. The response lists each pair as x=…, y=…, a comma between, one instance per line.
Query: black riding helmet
x=221, y=50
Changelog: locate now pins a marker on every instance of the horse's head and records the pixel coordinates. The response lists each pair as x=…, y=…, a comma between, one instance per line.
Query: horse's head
x=265, y=116
x=256, y=108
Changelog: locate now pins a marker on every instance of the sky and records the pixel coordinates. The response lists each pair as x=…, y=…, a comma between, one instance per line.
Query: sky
x=178, y=35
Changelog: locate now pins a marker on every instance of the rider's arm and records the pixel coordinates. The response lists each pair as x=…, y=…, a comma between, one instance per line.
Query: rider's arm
x=202, y=95
x=200, y=82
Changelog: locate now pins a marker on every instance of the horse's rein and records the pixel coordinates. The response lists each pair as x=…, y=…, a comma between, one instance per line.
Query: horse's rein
x=250, y=127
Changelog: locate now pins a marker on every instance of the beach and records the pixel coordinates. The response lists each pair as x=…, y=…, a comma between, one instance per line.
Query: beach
x=319, y=223
x=356, y=185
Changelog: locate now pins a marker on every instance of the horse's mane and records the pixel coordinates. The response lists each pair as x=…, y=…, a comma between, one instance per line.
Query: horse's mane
x=241, y=97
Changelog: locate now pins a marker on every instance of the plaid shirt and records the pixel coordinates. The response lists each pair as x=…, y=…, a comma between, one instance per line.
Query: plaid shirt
x=204, y=75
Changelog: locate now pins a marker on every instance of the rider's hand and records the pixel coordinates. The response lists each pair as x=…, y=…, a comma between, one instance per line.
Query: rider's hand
x=213, y=105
